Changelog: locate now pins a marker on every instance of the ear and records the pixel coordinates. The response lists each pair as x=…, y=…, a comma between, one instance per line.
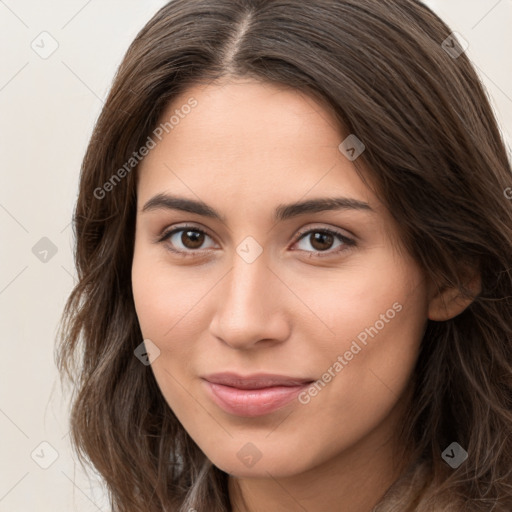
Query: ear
x=448, y=302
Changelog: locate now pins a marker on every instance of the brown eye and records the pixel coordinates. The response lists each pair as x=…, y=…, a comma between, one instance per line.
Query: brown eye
x=321, y=241
x=324, y=241
x=192, y=239
x=186, y=240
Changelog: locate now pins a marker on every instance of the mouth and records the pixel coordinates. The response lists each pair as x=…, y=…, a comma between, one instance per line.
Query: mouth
x=253, y=395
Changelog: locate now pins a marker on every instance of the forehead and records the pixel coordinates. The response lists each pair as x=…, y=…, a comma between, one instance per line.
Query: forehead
x=249, y=140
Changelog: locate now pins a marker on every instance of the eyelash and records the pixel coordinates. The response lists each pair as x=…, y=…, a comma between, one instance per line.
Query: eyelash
x=348, y=243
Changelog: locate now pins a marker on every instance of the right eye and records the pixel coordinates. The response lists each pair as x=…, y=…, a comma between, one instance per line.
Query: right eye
x=185, y=240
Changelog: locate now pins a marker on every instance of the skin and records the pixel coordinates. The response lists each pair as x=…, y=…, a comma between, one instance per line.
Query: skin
x=246, y=148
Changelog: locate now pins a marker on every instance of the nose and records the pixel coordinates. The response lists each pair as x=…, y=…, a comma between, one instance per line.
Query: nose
x=251, y=306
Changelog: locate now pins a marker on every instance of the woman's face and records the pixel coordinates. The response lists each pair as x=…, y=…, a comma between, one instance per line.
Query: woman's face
x=249, y=284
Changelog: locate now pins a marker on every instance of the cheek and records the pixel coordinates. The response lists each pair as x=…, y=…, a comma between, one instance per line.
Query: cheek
x=151, y=304
x=369, y=366
x=360, y=302
x=164, y=297
x=168, y=308
x=164, y=305
x=170, y=304
x=378, y=318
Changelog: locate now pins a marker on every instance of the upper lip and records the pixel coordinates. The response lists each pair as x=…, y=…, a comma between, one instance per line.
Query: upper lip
x=254, y=381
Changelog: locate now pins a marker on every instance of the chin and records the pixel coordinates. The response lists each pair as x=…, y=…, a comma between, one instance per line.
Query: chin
x=251, y=462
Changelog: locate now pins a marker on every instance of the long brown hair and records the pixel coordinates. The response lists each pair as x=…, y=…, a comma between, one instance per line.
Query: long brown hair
x=394, y=76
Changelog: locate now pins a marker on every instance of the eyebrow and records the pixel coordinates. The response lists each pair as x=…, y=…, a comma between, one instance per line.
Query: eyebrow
x=281, y=213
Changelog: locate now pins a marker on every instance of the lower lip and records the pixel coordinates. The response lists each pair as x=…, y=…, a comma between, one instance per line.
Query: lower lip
x=252, y=402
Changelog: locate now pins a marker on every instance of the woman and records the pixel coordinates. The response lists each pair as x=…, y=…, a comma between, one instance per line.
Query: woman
x=294, y=247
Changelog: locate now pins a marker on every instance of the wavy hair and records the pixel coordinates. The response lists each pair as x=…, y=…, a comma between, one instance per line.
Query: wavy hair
x=394, y=76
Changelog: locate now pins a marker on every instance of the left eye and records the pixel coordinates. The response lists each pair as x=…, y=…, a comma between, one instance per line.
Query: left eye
x=322, y=240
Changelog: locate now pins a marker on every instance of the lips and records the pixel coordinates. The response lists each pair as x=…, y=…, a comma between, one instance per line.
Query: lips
x=254, y=395
x=255, y=381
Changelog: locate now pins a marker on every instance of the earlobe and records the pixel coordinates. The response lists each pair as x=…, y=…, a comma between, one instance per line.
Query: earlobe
x=449, y=302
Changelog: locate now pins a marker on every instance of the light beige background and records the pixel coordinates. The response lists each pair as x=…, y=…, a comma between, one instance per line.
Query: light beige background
x=47, y=111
